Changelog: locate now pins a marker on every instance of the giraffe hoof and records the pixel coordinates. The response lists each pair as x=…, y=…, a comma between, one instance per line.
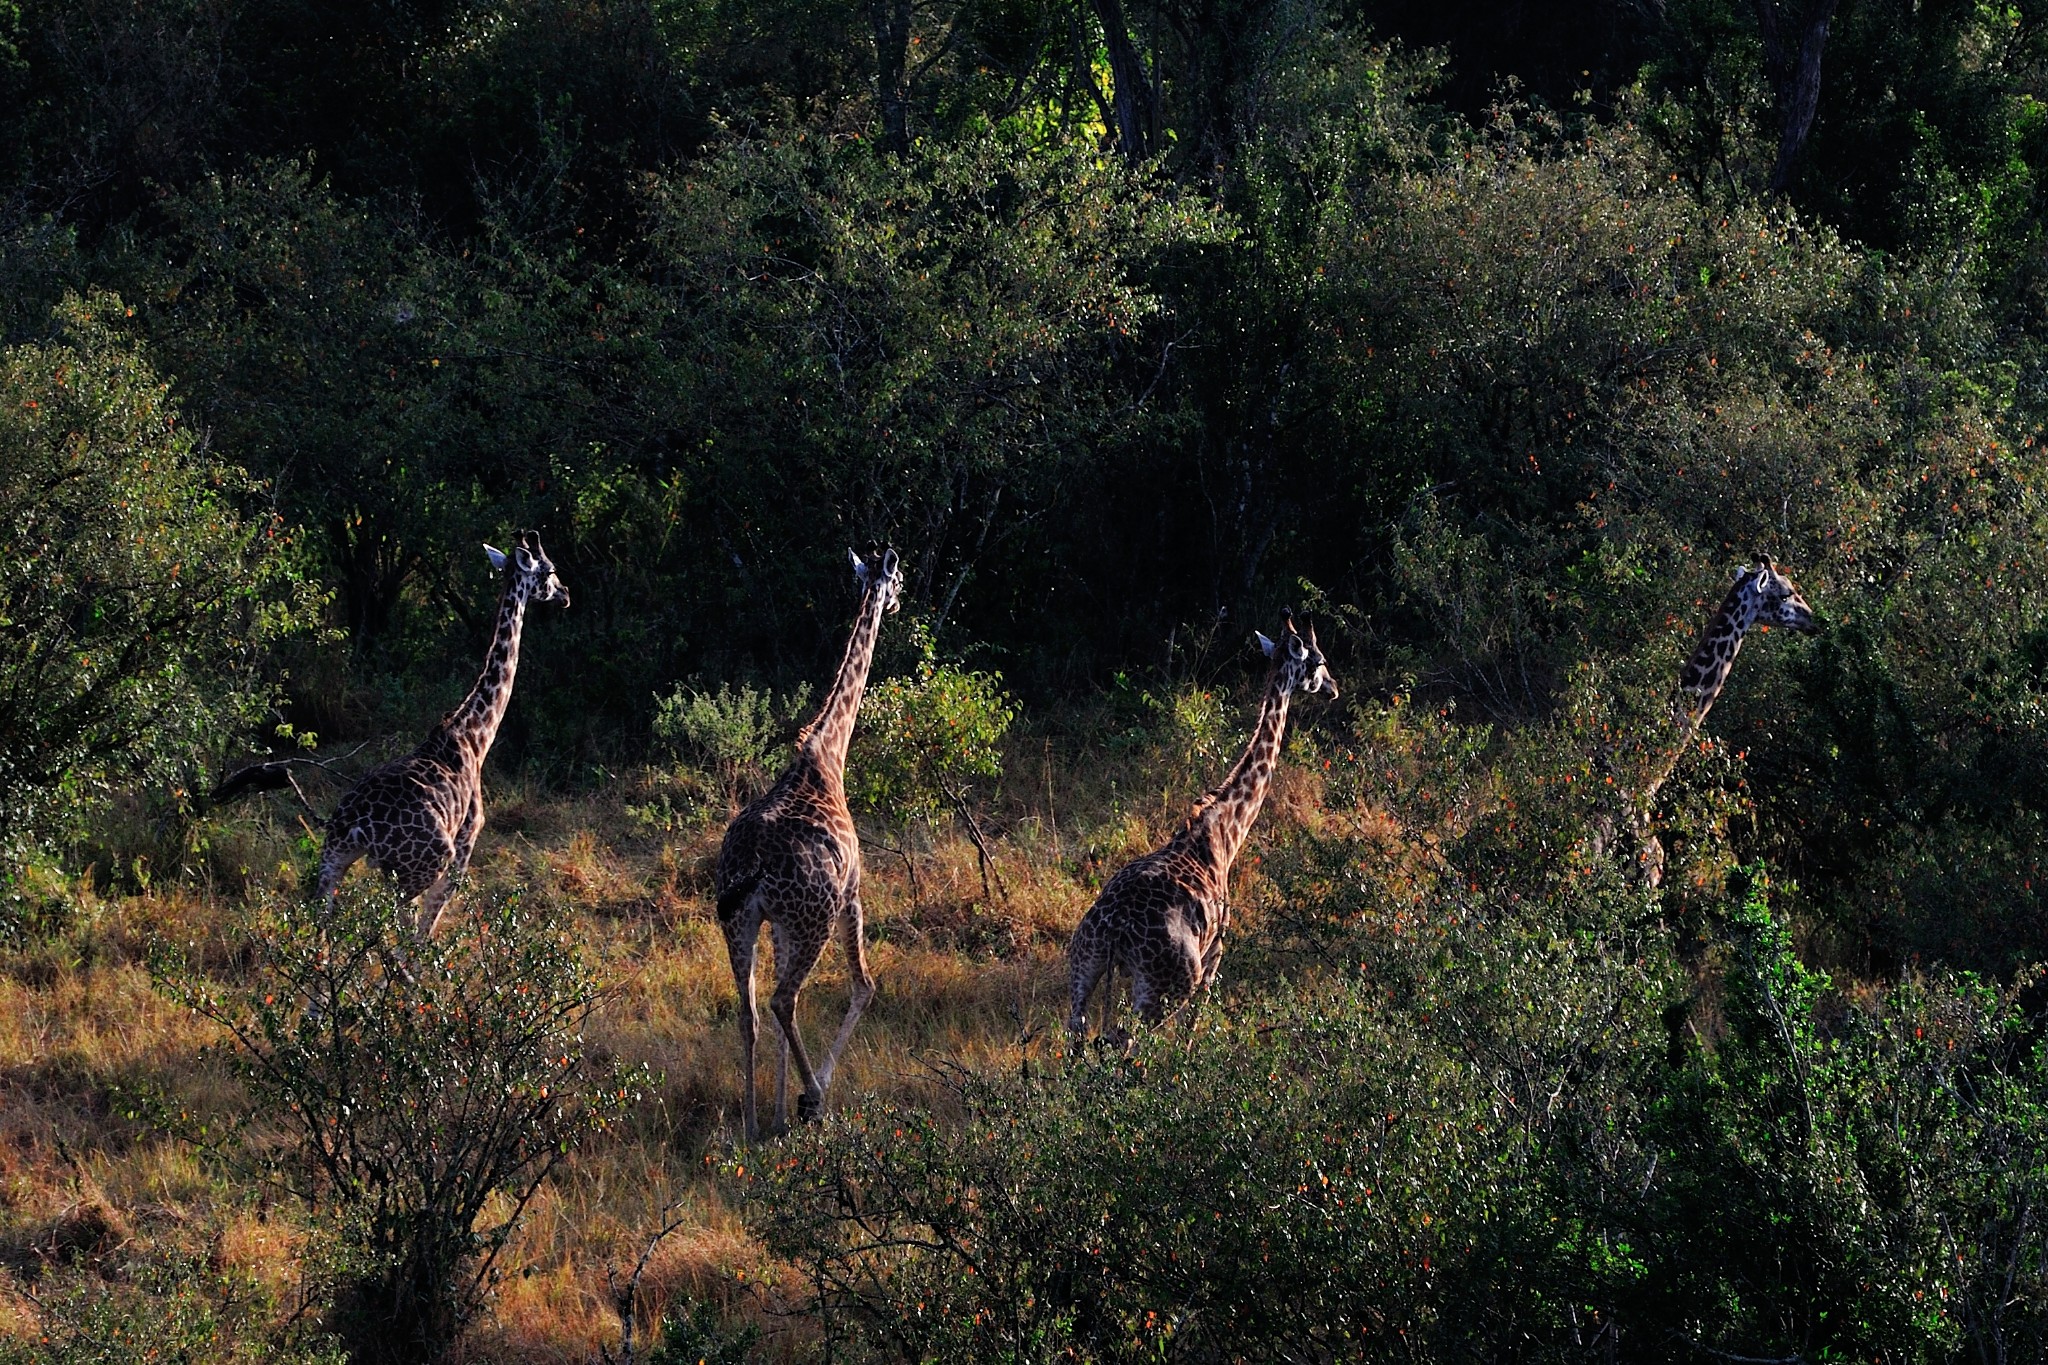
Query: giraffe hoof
x=809, y=1107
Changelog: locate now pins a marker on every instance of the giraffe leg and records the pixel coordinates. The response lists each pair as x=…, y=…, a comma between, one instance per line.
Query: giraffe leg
x=1087, y=963
x=740, y=942
x=335, y=861
x=1113, y=1031
x=1212, y=962
x=794, y=958
x=1166, y=981
x=432, y=901
x=852, y=937
x=435, y=898
x=782, y=1087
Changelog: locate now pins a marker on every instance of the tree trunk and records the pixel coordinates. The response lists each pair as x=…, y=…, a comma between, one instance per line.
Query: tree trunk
x=1132, y=98
x=891, y=20
x=1792, y=61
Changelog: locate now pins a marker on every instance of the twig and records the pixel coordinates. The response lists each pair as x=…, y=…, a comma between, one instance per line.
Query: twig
x=625, y=1296
x=1745, y=1360
x=916, y=892
x=275, y=773
x=988, y=863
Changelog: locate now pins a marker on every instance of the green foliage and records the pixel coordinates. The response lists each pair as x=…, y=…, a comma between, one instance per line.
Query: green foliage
x=137, y=602
x=1474, y=1143
x=399, y=1087
x=920, y=739
x=731, y=733
x=697, y=1337
x=177, y=1313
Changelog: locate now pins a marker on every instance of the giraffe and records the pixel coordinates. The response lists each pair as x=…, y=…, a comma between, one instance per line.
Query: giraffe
x=792, y=858
x=1760, y=596
x=1160, y=919
x=417, y=818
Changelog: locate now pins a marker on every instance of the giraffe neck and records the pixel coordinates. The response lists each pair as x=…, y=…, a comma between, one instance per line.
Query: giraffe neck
x=474, y=724
x=1701, y=679
x=1706, y=670
x=1226, y=814
x=825, y=739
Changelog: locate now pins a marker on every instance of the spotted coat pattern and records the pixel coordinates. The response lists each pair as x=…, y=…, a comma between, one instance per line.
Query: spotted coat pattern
x=417, y=818
x=791, y=859
x=1161, y=919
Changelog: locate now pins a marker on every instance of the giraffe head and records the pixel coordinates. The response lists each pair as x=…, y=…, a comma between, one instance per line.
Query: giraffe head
x=1300, y=660
x=529, y=572
x=885, y=577
x=1772, y=599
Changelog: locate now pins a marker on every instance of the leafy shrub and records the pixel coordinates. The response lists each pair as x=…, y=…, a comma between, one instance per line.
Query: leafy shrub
x=398, y=1087
x=176, y=1313
x=1183, y=732
x=1507, y=1105
x=697, y=1337
x=136, y=602
x=731, y=733
x=920, y=738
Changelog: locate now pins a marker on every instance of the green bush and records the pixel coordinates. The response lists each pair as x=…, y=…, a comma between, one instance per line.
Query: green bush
x=921, y=738
x=697, y=1337
x=398, y=1086
x=1477, y=1096
x=174, y=1312
x=138, y=604
x=732, y=733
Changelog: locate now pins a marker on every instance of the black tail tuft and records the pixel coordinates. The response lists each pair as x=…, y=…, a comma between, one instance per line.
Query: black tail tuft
x=260, y=777
x=733, y=897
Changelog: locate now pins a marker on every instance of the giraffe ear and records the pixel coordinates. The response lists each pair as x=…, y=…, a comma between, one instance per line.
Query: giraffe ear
x=1312, y=636
x=496, y=556
x=889, y=563
x=860, y=568
x=1266, y=647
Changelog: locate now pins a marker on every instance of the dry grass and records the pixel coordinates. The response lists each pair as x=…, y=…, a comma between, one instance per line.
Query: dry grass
x=968, y=972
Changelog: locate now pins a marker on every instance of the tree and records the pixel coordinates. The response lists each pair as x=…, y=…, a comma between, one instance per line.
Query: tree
x=136, y=599
x=1792, y=60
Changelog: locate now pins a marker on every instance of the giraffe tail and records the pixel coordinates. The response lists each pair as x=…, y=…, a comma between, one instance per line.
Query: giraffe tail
x=733, y=897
